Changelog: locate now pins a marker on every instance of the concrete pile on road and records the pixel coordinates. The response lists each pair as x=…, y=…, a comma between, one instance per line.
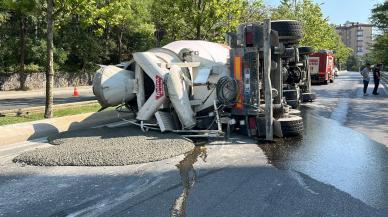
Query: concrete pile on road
x=107, y=147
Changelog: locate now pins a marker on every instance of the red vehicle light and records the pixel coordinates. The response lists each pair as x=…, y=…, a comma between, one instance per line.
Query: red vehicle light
x=249, y=39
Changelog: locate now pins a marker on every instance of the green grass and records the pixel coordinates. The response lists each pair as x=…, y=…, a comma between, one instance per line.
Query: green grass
x=57, y=113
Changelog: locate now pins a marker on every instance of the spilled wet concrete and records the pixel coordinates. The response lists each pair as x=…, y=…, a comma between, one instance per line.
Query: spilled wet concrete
x=107, y=147
x=335, y=155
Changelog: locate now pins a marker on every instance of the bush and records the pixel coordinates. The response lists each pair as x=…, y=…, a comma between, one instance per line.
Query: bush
x=33, y=68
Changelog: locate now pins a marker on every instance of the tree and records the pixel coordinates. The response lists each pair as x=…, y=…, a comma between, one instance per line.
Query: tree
x=353, y=63
x=380, y=16
x=22, y=9
x=48, y=112
x=197, y=19
x=317, y=32
x=379, y=51
x=50, y=15
x=255, y=11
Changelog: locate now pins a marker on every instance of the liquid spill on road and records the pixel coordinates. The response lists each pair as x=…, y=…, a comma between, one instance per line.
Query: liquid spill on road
x=338, y=156
x=188, y=176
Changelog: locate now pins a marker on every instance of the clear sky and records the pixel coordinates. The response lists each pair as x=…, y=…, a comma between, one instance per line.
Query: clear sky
x=340, y=11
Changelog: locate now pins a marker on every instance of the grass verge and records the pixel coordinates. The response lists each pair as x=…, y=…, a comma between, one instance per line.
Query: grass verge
x=57, y=113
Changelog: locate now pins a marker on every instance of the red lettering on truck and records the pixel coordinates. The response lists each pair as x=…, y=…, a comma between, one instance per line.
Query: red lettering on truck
x=159, y=87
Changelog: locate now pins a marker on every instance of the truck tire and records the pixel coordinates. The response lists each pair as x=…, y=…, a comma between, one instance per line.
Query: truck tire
x=308, y=97
x=305, y=50
x=291, y=98
x=293, y=103
x=288, y=30
x=291, y=126
x=290, y=94
x=289, y=53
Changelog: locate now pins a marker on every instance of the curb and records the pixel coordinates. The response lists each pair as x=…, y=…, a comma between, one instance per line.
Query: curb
x=16, y=133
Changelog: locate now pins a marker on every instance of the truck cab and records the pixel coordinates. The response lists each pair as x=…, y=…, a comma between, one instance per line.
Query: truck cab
x=321, y=66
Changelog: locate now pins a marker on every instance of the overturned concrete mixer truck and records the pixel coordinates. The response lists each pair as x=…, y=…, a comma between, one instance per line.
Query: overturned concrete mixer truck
x=205, y=89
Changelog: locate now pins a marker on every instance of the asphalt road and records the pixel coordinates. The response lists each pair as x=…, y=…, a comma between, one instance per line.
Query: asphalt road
x=39, y=99
x=335, y=169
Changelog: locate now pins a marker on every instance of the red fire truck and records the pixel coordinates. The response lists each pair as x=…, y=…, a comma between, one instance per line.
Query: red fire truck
x=321, y=66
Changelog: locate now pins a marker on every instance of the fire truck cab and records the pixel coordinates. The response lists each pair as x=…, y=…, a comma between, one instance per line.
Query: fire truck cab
x=321, y=66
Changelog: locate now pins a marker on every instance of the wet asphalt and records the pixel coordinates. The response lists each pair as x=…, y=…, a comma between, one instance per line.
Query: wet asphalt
x=332, y=170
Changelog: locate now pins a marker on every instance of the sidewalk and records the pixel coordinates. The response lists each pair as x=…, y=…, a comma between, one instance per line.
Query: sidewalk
x=42, y=92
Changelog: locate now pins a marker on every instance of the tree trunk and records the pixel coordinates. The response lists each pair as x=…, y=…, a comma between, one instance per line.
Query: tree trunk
x=119, y=44
x=198, y=21
x=198, y=31
x=106, y=31
x=23, y=75
x=48, y=113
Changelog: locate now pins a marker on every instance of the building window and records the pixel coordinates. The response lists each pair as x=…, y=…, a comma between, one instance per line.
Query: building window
x=360, y=33
x=359, y=49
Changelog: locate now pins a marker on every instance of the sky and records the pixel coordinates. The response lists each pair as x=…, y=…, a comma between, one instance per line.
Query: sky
x=340, y=11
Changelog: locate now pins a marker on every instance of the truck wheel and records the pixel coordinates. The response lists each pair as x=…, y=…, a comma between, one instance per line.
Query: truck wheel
x=291, y=98
x=293, y=103
x=289, y=53
x=305, y=50
x=308, y=97
x=290, y=94
x=288, y=30
x=291, y=126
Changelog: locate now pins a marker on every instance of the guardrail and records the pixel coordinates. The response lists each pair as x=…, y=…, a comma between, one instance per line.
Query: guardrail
x=384, y=75
x=384, y=81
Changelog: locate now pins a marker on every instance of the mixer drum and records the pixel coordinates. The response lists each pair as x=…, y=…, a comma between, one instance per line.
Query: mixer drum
x=113, y=86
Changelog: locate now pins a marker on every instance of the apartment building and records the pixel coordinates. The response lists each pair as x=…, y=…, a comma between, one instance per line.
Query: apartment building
x=357, y=36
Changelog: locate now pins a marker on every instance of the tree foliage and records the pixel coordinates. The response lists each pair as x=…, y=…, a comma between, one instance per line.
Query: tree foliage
x=197, y=19
x=380, y=16
x=317, y=32
x=379, y=52
x=91, y=32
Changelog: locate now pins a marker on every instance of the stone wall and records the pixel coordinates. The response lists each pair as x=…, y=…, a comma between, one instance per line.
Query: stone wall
x=13, y=81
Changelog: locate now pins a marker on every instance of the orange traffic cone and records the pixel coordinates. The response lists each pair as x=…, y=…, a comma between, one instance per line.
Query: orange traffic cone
x=75, y=92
